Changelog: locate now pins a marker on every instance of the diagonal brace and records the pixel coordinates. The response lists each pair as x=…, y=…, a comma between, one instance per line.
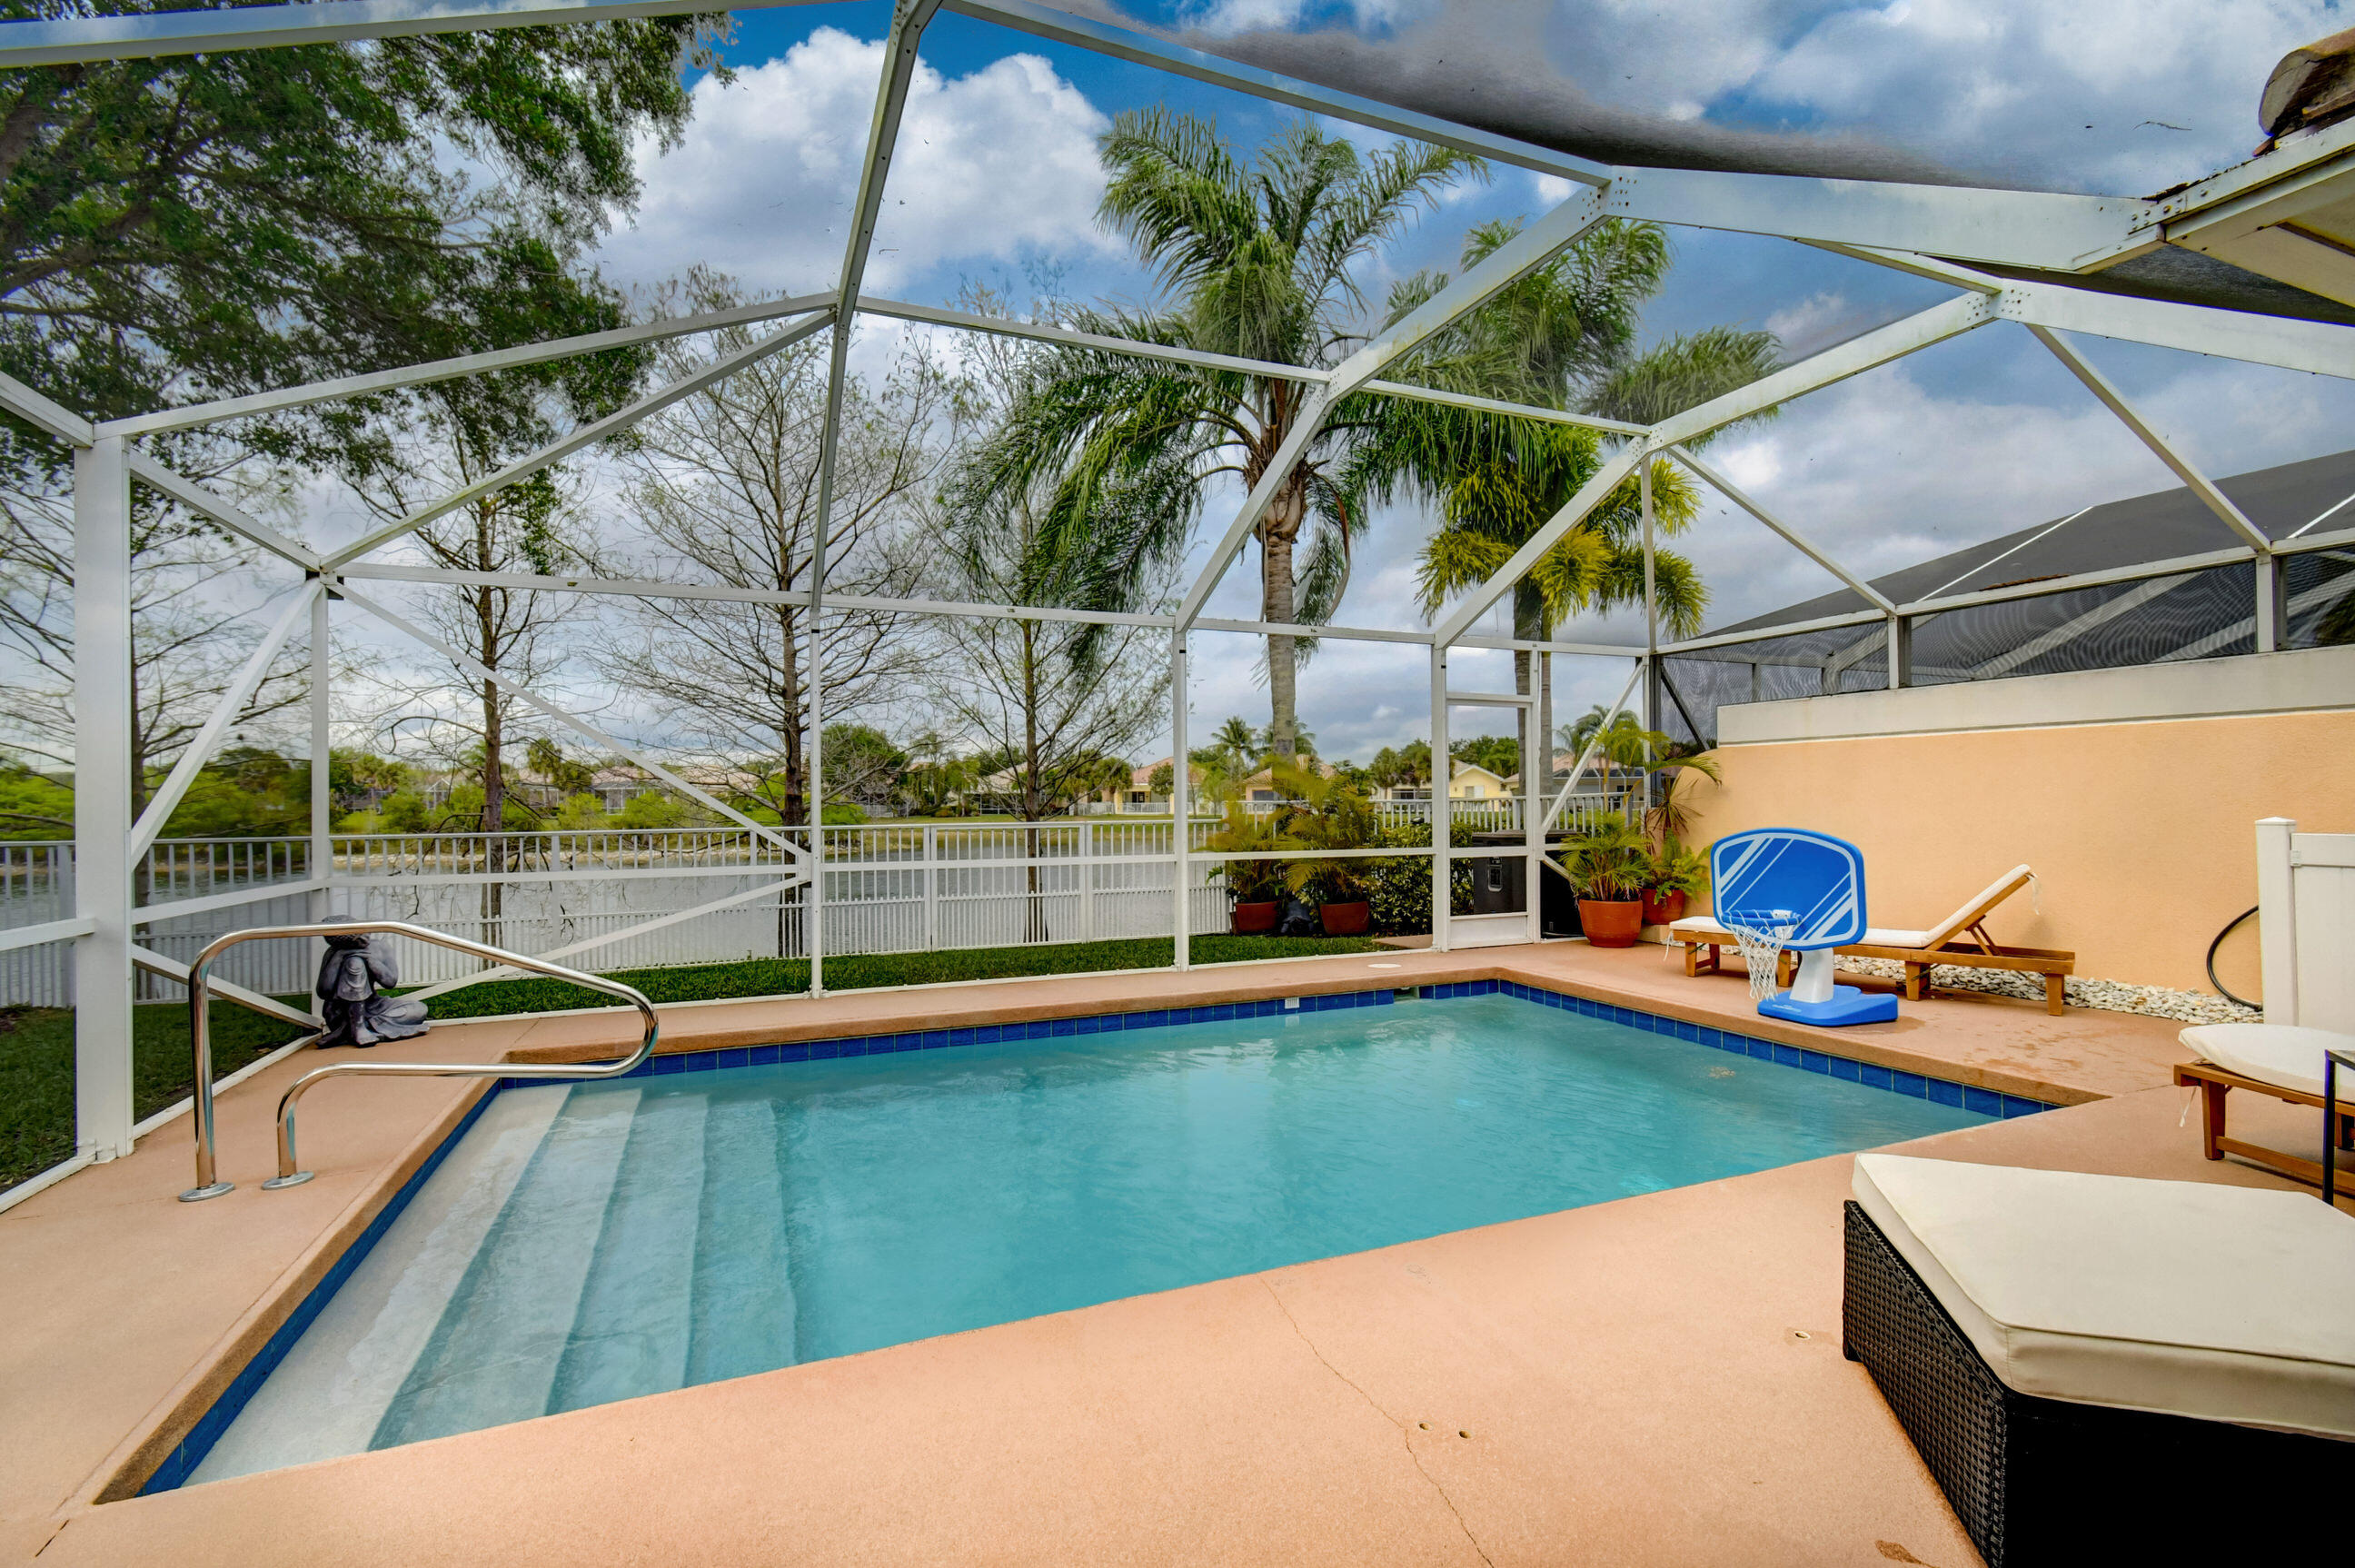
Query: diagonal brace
x=587, y=435
x=577, y=725
x=160, y=807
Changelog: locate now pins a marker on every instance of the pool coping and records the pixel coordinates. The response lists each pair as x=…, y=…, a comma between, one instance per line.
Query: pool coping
x=192, y=1418
x=1867, y=1043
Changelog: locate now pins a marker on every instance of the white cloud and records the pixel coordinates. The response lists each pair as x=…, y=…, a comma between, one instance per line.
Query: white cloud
x=995, y=164
x=1228, y=17
x=2077, y=96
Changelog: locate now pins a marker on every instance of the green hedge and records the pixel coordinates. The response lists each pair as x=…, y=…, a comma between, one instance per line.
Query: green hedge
x=37, y=1070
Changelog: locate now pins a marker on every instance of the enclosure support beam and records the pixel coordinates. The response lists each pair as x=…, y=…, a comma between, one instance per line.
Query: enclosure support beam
x=1591, y=494
x=589, y=434
x=1651, y=614
x=1586, y=757
x=1181, y=821
x=197, y=414
x=1443, y=809
x=2272, y=605
x=323, y=794
x=1509, y=262
x=2268, y=599
x=1782, y=531
x=578, y=726
x=502, y=972
x=1901, y=652
x=909, y=19
x=103, y=766
x=200, y=751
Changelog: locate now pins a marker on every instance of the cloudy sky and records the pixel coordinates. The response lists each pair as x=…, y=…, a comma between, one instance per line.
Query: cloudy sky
x=996, y=174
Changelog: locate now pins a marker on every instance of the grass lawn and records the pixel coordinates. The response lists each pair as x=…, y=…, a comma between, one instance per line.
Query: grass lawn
x=37, y=1070
x=856, y=972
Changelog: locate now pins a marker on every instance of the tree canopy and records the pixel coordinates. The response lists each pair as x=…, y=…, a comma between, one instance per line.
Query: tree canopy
x=202, y=226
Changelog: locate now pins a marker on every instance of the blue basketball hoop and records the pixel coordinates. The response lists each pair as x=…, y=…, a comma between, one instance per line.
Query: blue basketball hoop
x=1793, y=888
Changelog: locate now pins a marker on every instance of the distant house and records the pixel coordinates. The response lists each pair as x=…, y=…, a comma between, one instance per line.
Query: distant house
x=1260, y=788
x=1469, y=781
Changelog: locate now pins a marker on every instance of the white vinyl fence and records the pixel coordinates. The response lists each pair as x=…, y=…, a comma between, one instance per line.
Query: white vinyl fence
x=887, y=888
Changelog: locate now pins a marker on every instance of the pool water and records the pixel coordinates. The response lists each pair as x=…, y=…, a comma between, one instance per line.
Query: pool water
x=590, y=1242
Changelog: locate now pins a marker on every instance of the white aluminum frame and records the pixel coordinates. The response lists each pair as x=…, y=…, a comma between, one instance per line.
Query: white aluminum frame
x=1931, y=231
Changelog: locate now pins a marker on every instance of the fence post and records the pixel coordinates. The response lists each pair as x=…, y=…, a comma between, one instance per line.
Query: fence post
x=1087, y=879
x=2277, y=918
x=932, y=875
x=103, y=823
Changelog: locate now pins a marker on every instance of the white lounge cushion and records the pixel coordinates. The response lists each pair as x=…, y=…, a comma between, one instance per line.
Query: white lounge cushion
x=1703, y=928
x=2224, y=1303
x=2282, y=1054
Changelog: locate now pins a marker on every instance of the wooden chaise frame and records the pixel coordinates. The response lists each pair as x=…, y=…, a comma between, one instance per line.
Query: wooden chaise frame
x=1945, y=946
x=2215, y=1083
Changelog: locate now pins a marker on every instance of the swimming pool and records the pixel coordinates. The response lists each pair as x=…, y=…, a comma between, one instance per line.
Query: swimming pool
x=583, y=1244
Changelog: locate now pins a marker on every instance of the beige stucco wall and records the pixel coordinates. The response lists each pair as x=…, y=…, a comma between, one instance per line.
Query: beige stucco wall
x=2140, y=832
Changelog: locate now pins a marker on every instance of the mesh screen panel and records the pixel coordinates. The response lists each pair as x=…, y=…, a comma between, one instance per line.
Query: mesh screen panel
x=2186, y=616
x=2319, y=590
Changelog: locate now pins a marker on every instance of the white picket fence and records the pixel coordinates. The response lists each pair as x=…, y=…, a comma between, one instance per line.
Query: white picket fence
x=887, y=888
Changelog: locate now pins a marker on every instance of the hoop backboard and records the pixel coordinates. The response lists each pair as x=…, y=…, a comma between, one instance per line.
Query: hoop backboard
x=1811, y=879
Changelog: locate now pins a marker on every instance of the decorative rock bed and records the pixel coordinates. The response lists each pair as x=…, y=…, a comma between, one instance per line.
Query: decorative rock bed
x=2108, y=995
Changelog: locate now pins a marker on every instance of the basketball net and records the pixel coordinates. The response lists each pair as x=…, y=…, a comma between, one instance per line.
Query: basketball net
x=1759, y=934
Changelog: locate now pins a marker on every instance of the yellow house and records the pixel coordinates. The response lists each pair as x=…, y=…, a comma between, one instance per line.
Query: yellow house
x=1469, y=781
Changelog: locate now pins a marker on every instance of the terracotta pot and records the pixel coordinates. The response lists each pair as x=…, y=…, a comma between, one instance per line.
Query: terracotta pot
x=1663, y=909
x=1613, y=925
x=1256, y=919
x=1346, y=919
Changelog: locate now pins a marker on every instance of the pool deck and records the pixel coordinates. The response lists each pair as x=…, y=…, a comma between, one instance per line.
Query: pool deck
x=1655, y=1379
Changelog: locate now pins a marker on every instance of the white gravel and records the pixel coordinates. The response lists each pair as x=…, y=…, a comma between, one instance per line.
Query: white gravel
x=2108, y=995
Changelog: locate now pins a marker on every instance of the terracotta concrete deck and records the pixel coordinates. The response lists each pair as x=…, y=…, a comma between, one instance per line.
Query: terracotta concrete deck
x=1657, y=1380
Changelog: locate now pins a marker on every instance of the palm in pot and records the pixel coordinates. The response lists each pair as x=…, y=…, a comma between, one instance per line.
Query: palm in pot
x=1610, y=865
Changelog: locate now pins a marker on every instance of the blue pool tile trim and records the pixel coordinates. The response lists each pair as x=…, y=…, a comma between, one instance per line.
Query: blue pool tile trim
x=1967, y=1096
x=673, y=1062
x=182, y=1461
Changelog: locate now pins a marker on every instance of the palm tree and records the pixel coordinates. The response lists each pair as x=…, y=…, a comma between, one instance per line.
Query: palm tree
x=1237, y=744
x=1563, y=338
x=1259, y=258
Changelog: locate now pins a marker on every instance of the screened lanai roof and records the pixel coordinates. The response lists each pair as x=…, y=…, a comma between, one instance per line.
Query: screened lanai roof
x=2202, y=609
x=2162, y=525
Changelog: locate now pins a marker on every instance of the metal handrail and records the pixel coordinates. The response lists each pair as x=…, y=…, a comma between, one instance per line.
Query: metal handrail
x=209, y=1184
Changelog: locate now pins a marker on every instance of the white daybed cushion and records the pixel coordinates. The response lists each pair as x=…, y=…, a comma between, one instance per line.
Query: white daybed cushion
x=2283, y=1054
x=1703, y=928
x=2225, y=1303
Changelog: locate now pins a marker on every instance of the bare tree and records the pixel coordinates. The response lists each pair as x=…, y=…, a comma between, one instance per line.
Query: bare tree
x=191, y=594
x=1055, y=698
x=725, y=485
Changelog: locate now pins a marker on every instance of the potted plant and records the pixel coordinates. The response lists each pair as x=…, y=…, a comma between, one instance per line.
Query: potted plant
x=1344, y=891
x=1256, y=886
x=1677, y=873
x=1328, y=812
x=1609, y=866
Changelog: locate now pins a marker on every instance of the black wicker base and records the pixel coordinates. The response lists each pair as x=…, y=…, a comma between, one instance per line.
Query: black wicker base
x=2040, y=1481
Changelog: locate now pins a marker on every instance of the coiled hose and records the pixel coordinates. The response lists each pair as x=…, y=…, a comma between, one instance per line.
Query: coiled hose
x=2230, y=926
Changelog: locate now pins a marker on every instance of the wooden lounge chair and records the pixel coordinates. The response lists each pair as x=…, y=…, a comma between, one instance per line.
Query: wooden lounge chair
x=2279, y=1060
x=1919, y=951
